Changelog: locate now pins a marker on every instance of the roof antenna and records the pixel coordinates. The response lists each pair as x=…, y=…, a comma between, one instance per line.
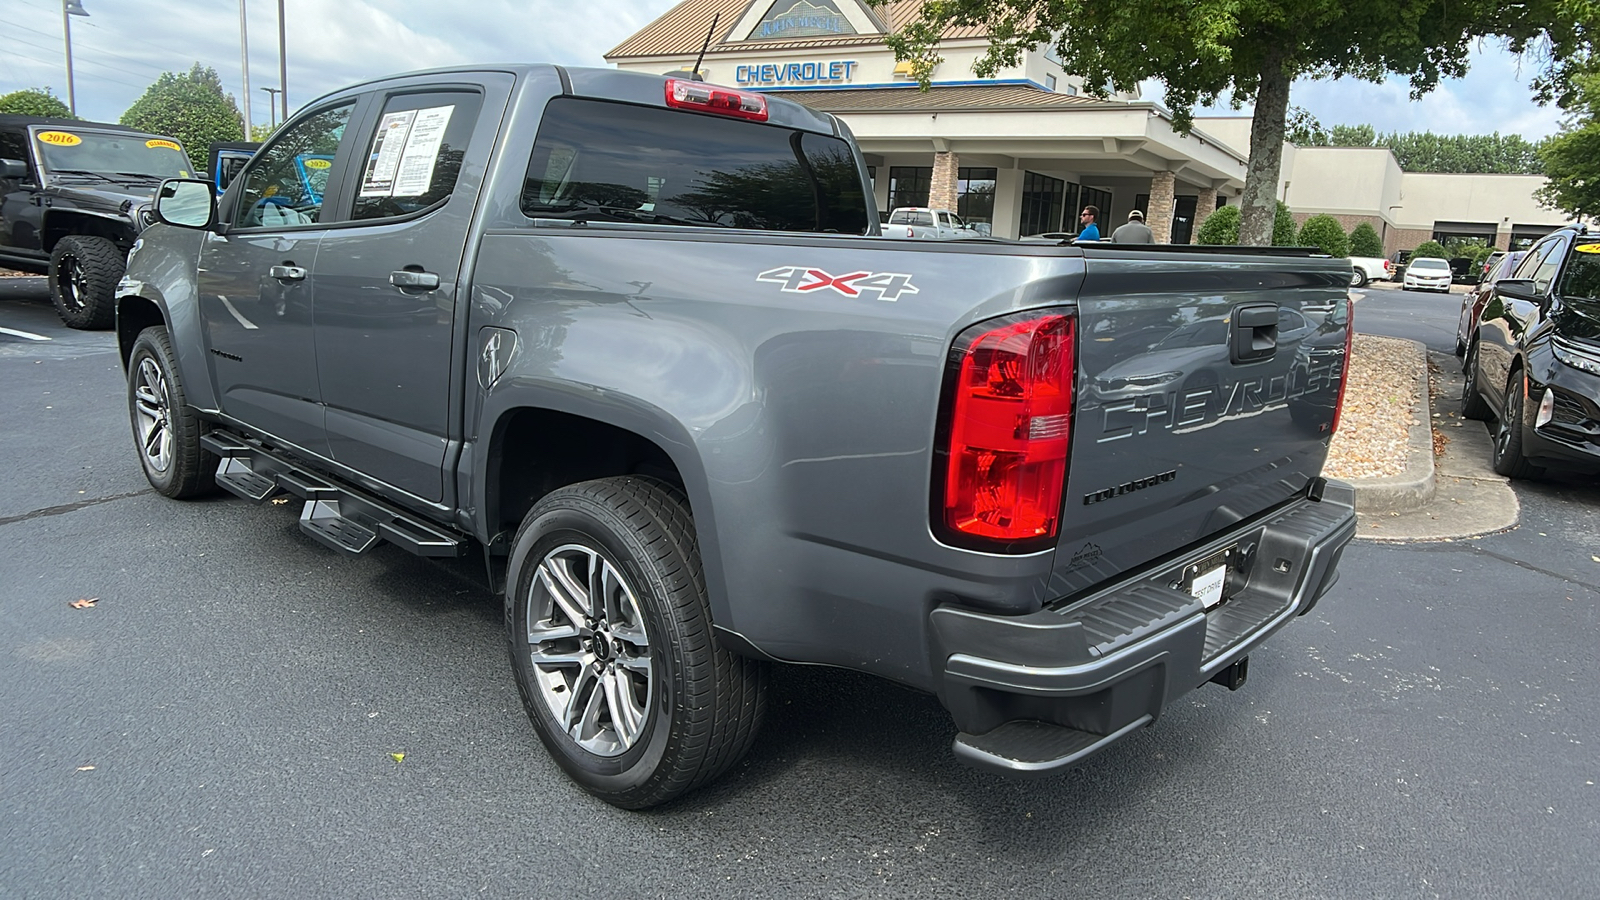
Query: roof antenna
x=702, y=57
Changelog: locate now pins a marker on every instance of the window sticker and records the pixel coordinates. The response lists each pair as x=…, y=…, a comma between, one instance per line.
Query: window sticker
x=386, y=150
x=422, y=151
x=317, y=162
x=170, y=145
x=1587, y=248
x=59, y=138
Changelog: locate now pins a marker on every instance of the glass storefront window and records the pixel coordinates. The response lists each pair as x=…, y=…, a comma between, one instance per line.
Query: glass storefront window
x=909, y=185
x=1042, y=202
x=975, y=197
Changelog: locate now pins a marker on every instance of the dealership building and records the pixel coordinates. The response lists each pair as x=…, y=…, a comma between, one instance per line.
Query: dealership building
x=1021, y=152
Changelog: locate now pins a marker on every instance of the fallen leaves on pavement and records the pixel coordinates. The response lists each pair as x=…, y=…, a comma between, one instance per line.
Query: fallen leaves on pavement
x=83, y=603
x=398, y=757
x=1375, y=427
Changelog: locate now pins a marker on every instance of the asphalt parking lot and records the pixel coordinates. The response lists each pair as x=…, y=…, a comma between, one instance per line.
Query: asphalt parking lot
x=224, y=721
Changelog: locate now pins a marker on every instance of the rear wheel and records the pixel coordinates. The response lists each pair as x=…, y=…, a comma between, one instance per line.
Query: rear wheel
x=1508, y=458
x=84, y=272
x=612, y=647
x=1358, y=278
x=1472, y=402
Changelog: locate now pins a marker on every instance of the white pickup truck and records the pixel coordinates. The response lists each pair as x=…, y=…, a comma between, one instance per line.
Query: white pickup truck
x=1367, y=268
x=932, y=224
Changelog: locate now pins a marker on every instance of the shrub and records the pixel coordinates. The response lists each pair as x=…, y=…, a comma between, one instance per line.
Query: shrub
x=1221, y=227
x=1324, y=233
x=1283, y=230
x=1430, y=248
x=35, y=103
x=1364, y=241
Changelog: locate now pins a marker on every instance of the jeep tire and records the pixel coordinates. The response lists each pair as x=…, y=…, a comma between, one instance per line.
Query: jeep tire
x=612, y=646
x=84, y=271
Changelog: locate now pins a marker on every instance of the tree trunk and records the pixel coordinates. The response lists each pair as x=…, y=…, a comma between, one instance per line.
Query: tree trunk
x=1258, y=206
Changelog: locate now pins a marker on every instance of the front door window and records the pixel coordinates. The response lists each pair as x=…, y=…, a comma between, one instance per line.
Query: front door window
x=285, y=185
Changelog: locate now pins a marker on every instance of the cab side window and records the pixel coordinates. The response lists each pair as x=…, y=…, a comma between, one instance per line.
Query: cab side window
x=1581, y=280
x=14, y=145
x=1549, y=262
x=414, y=158
x=286, y=182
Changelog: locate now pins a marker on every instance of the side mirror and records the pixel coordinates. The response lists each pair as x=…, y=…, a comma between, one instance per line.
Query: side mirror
x=13, y=168
x=1517, y=289
x=186, y=203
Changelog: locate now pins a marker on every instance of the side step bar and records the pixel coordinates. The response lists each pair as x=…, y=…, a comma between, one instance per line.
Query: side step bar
x=337, y=516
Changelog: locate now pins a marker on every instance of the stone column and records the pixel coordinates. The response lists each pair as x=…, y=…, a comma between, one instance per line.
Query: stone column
x=1204, y=205
x=946, y=168
x=1163, y=200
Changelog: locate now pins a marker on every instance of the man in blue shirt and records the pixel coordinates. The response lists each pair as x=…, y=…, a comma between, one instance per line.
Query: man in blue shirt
x=1088, y=230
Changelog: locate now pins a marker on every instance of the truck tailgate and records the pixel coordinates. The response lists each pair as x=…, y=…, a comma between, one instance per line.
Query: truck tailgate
x=1205, y=394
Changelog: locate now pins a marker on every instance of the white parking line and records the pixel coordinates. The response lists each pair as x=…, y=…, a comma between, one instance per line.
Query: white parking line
x=26, y=335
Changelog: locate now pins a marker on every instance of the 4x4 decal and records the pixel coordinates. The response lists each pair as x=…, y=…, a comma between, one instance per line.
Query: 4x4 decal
x=805, y=279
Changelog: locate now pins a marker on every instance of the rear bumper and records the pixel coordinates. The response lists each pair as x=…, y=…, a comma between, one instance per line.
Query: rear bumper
x=1035, y=693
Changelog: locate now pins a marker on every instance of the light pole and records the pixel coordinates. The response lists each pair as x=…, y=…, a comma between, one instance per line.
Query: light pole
x=283, y=68
x=244, y=63
x=70, y=8
x=272, y=107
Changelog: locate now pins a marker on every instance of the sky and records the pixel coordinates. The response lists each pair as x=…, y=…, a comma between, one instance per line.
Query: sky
x=123, y=45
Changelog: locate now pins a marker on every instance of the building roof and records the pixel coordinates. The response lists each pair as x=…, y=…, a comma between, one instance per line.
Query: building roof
x=682, y=30
x=978, y=97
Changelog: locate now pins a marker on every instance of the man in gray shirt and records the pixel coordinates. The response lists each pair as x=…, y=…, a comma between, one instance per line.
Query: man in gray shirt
x=1135, y=232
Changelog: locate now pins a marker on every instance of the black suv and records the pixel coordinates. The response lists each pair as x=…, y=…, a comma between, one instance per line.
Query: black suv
x=1533, y=362
x=73, y=198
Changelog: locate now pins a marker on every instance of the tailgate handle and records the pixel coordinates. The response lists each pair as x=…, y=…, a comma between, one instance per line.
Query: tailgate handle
x=1255, y=333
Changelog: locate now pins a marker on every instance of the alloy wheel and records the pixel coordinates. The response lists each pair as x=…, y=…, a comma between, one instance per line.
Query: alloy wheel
x=74, y=282
x=154, y=412
x=1510, y=417
x=589, y=649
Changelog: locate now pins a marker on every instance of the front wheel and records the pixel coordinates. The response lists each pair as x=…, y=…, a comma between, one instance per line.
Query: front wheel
x=166, y=432
x=612, y=647
x=1508, y=458
x=84, y=272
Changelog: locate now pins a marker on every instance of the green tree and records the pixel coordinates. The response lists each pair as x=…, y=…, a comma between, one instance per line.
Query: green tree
x=191, y=107
x=1283, y=230
x=1497, y=154
x=1221, y=227
x=1325, y=233
x=1572, y=157
x=1246, y=50
x=1364, y=241
x=1302, y=129
x=1353, y=136
x=1430, y=248
x=35, y=103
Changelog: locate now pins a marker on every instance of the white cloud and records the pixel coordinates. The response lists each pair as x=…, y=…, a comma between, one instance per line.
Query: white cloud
x=122, y=47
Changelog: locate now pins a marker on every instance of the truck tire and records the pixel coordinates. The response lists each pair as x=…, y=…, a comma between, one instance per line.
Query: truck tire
x=84, y=272
x=165, y=431
x=1358, y=277
x=1508, y=459
x=612, y=647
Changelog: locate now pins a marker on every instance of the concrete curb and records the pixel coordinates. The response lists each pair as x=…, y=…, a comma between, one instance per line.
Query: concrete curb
x=1415, y=487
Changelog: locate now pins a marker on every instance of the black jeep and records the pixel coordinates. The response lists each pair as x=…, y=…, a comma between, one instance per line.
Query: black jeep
x=73, y=198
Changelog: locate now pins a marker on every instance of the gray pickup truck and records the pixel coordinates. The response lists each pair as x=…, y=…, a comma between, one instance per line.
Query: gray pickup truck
x=636, y=340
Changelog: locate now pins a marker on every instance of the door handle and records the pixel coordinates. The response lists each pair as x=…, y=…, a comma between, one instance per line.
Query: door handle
x=287, y=273
x=406, y=278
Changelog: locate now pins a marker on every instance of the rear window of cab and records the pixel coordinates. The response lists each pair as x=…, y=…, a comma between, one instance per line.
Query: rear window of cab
x=603, y=161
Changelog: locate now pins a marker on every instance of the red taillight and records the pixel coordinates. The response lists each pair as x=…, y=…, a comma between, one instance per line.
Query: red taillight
x=1344, y=374
x=1009, y=419
x=707, y=98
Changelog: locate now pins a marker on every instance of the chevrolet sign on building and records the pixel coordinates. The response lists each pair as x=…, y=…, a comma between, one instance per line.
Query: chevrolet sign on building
x=1020, y=153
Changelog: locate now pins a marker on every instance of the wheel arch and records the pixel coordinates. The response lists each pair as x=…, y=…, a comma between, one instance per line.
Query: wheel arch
x=135, y=313
x=541, y=444
x=63, y=223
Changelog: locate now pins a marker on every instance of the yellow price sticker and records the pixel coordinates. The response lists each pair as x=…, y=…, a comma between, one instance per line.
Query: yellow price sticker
x=170, y=145
x=59, y=138
x=318, y=164
x=1587, y=248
